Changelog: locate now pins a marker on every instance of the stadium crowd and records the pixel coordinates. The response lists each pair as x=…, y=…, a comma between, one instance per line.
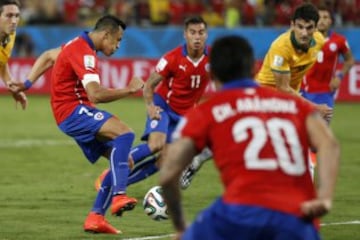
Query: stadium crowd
x=145, y=13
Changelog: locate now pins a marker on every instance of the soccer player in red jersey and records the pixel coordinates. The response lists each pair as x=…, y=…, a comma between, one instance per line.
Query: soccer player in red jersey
x=75, y=90
x=259, y=138
x=176, y=86
x=322, y=80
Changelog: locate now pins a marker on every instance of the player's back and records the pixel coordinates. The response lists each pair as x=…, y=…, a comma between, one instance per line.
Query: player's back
x=259, y=141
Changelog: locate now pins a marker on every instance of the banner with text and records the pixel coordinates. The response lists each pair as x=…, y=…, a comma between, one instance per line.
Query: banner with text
x=116, y=73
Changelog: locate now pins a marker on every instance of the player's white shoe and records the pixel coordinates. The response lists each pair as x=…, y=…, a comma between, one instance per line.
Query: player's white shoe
x=189, y=173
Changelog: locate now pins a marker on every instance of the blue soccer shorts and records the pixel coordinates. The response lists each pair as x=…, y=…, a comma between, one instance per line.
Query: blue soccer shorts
x=83, y=125
x=320, y=98
x=167, y=123
x=234, y=222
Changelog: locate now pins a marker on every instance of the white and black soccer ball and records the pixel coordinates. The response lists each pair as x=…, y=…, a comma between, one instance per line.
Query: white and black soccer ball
x=154, y=204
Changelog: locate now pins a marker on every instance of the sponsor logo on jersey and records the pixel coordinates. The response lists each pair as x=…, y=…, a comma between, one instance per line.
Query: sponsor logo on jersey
x=183, y=67
x=161, y=65
x=278, y=61
x=89, y=62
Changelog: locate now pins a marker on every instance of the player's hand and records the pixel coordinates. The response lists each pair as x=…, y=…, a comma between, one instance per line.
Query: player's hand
x=136, y=84
x=334, y=84
x=20, y=98
x=325, y=111
x=315, y=208
x=16, y=87
x=154, y=111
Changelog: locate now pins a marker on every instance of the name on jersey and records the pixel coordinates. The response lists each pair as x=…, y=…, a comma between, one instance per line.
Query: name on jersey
x=254, y=104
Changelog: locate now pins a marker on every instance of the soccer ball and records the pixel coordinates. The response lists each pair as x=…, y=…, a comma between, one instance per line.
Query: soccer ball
x=154, y=204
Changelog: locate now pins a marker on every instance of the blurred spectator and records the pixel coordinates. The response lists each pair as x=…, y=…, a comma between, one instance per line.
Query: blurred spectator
x=193, y=8
x=45, y=13
x=71, y=8
x=159, y=11
x=177, y=12
x=232, y=13
x=142, y=13
x=212, y=18
x=269, y=14
x=123, y=9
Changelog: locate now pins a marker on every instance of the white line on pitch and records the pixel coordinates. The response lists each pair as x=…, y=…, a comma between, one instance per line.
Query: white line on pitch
x=33, y=143
x=341, y=223
x=151, y=237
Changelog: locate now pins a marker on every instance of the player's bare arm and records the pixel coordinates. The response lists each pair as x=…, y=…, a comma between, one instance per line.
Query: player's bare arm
x=99, y=94
x=282, y=81
x=45, y=61
x=328, y=153
x=178, y=155
x=148, y=93
x=348, y=63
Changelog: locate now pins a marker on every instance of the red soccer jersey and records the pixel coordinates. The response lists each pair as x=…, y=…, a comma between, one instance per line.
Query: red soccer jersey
x=259, y=144
x=184, y=80
x=76, y=60
x=319, y=76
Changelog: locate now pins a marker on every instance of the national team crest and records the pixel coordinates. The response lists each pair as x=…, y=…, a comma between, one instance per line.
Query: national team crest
x=99, y=116
x=154, y=123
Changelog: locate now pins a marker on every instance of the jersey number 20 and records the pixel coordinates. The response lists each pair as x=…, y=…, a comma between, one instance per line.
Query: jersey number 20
x=281, y=133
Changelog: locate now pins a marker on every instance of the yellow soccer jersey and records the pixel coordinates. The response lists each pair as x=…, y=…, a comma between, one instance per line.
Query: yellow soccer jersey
x=5, y=52
x=285, y=57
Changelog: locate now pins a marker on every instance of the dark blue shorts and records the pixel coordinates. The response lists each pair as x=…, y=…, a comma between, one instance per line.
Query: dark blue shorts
x=240, y=222
x=320, y=98
x=167, y=123
x=83, y=125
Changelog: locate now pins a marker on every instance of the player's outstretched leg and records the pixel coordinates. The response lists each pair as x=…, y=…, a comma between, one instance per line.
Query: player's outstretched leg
x=189, y=173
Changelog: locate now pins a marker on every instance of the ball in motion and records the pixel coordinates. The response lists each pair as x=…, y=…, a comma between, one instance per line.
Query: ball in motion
x=154, y=204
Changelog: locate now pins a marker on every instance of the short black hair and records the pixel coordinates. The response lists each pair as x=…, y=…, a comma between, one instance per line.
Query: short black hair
x=194, y=20
x=9, y=2
x=231, y=58
x=307, y=12
x=109, y=22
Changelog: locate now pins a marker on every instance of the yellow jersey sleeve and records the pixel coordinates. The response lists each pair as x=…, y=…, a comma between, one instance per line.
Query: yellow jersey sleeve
x=5, y=52
x=277, y=59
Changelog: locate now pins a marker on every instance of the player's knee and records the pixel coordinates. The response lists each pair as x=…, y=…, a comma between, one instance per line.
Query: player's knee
x=156, y=145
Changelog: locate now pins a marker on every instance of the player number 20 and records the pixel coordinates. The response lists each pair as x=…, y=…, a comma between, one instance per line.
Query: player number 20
x=282, y=133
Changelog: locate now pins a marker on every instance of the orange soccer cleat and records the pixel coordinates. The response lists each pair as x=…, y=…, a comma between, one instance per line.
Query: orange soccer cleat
x=121, y=203
x=100, y=179
x=96, y=223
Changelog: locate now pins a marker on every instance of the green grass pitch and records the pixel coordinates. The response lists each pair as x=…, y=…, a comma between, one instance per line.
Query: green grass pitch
x=46, y=185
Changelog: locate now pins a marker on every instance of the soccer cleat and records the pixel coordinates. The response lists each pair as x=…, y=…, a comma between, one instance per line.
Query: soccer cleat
x=121, y=203
x=187, y=176
x=96, y=223
x=100, y=179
